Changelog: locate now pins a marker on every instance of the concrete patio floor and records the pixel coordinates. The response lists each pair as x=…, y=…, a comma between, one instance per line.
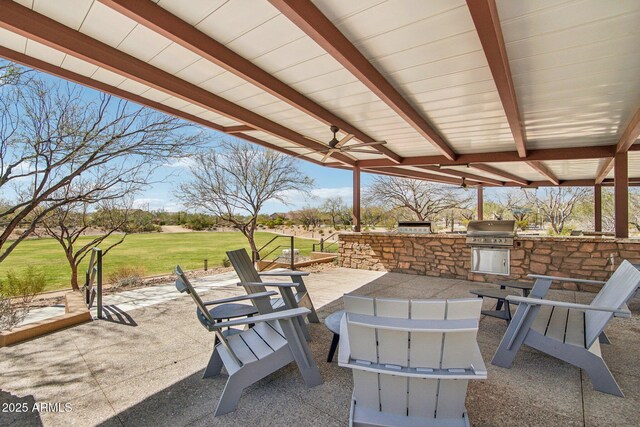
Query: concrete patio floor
x=148, y=372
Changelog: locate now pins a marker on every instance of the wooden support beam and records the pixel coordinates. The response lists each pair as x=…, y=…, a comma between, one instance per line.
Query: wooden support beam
x=485, y=17
x=544, y=171
x=412, y=174
x=625, y=143
x=27, y=23
x=621, y=195
x=597, y=207
x=356, y=198
x=237, y=129
x=499, y=172
x=462, y=174
x=630, y=134
x=603, y=171
x=170, y=26
x=309, y=19
x=573, y=153
x=480, y=203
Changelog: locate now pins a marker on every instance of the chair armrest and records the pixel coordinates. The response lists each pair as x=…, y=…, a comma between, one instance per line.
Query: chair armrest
x=583, y=307
x=284, y=273
x=242, y=298
x=566, y=279
x=277, y=315
x=279, y=285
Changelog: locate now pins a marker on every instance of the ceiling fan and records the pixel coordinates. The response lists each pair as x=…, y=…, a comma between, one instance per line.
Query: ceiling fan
x=338, y=146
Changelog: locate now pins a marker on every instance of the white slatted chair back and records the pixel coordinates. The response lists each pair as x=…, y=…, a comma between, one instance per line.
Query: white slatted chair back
x=620, y=287
x=245, y=269
x=427, y=351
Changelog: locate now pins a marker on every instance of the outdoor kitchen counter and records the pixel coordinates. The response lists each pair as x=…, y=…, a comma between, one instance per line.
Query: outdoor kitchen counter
x=448, y=255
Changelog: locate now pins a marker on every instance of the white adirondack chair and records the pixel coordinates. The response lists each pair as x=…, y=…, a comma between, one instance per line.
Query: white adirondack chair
x=411, y=359
x=249, y=355
x=567, y=331
x=293, y=294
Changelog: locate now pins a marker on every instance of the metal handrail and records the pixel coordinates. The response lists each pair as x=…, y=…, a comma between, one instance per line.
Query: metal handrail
x=94, y=273
x=291, y=246
x=323, y=241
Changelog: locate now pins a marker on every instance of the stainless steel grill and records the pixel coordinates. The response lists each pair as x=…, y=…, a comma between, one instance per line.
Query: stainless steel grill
x=491, y=243
x=491, y=233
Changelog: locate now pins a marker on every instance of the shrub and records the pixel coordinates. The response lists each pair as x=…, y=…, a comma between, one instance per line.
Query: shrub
x=129, y=275
x=15, y=295
x=226, y=262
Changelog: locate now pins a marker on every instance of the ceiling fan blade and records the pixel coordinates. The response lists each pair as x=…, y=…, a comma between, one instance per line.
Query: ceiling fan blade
x=344, y=140
x=312, y=152
x=366, y=144
x=357, y=150
x=329, y=154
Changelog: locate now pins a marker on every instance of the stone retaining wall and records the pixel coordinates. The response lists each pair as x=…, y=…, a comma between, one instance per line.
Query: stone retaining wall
x=449, y=256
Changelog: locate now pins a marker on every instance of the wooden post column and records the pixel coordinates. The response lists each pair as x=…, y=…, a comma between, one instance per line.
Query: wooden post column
x=621, y=189
x=356, y=198
x=597, y=207
x=480, y=203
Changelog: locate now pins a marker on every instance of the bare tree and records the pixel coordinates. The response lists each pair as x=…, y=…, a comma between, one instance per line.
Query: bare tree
x=236, y=180
x=52, y=136
x=334, y=207
x=423, y=198
x=11, y=74
x=557, y=203
x=69, y=222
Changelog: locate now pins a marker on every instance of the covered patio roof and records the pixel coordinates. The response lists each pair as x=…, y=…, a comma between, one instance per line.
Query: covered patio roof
x=483, y=93
x=458, y=89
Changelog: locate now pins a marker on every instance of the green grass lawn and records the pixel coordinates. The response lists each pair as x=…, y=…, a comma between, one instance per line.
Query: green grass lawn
x=158, y=253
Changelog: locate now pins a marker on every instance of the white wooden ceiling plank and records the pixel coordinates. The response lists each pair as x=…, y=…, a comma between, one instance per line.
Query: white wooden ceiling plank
x=13, y=41
x=291, y=54
x=156, y=95
x=233, y=19
x=133, y=87
x=428, y=39
x=443, y=67
x=317, y=74
x=44, y=53
x=388, y=16
x=222, y=82
x=461, y=78
x=109, y=77
x=271, y=35
x=575, y=37
x=143, y=43
x=106, y=25
x=192, y=11
x=565, y=15
x=68, y=12
x=174, y=59
x=200, y=71
x=79, y=66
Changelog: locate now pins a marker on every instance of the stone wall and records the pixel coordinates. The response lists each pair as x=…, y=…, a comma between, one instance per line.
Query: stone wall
x=448, y=256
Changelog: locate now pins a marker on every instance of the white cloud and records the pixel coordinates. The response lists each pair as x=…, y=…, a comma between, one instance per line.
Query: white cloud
x=180, y=162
